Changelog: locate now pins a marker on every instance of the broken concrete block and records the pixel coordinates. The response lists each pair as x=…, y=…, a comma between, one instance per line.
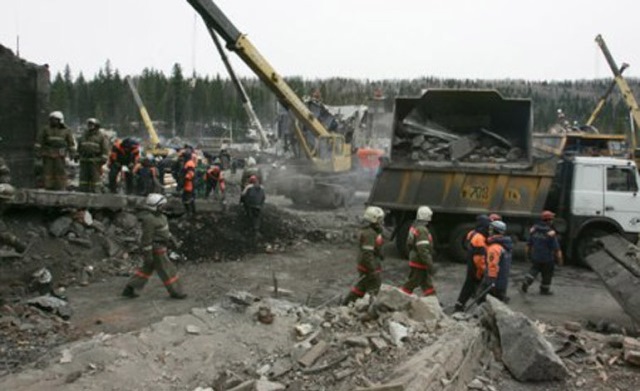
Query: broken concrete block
x=313, y=354
x=249, y=385
x=265, y=385
x=242, y=298
x=360, y=342
x=615, y=340
x=426, y=309
x=525, y=351
x=393, y=299
x=192, y=329
x=279, y=368
x=475, y=385
x=631, y=348
x=61, y=226
x=67, y=357
x=462, y=147
x=52, y=304
x=572, y=326
x=304, y=329
x=398, y=333
x=379, y=343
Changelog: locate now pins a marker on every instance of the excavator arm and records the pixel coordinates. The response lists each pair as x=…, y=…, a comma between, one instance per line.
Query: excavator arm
x=627, y=94
x=330, y=152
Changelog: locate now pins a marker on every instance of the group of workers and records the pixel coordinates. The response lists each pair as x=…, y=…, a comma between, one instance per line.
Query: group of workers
x=489, y=255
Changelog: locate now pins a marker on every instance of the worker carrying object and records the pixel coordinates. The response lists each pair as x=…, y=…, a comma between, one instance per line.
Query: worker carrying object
x=369, y=256
x=214, y=179
x=499, y=255
x=155, y=239
x=124, y=155
x=543, y=251
x=475, y=242
x=146, y=177
x=420, y=245
x=93, y=149
x=53, y=144
x=252, y=199
x=188, y=176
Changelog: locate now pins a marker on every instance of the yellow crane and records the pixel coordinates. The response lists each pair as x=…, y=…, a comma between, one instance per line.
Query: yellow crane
x=153, y=143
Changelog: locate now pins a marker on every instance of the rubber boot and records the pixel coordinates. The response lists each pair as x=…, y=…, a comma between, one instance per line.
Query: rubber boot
x=351, y=297
x=129, y=292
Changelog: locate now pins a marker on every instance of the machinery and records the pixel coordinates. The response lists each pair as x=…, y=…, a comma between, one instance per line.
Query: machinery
x=592, y=191
x=152, y=145
x=324, y=175
x=603, y=99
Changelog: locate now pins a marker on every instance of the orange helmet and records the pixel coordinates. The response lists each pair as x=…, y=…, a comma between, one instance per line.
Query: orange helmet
x=495, y=217
x=547, y=215
x=253, y=179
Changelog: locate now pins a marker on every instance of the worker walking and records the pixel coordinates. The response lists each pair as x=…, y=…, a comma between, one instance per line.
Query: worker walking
x=253, y=198
x=499, y=255
x=188, y=175
x=53, y=144
x=215, y=183
x=420, y=244
x=153, y=243
x=369, y=257
x=123, y=157
x=93, y=150
x=250, y=169
x=543, y=250
x=476, y=260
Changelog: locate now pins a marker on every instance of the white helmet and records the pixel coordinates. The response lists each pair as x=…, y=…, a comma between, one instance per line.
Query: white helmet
x=251, y=162
x=93, y=121
x=373, y=214
x=499, y=226
x=424, y=213
x=57, y=115
x=154, y=200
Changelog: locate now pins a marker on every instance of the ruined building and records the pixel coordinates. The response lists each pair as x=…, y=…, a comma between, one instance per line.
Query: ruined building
x=24, y=101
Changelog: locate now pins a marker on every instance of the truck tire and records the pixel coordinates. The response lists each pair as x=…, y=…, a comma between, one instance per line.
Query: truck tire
x=457, y=237
x=401, y=239
x=587, y=245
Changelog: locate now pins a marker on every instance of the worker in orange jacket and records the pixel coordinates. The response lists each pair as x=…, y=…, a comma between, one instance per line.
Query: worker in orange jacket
x=214, y=180
x=188, y=174
x=476, y=241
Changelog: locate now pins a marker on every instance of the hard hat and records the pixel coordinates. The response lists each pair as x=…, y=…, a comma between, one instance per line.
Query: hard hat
x=499, y=226
x=154, y=200
x=253, y=179
x=217, y=169
x=495, y=217
x=424, y=213
x=57, y=115
x=483, y=220
x=547, y=215
x=373, y=214
x=93, y=121
x=251, y=161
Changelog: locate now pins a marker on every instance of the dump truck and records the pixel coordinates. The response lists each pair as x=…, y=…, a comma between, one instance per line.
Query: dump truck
x=470, y=152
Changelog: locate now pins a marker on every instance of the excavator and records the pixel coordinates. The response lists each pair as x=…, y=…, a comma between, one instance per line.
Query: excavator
x=324, y=176
x=152, y=145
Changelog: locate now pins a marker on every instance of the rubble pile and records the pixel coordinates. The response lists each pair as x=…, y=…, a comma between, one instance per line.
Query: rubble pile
x=429, y=141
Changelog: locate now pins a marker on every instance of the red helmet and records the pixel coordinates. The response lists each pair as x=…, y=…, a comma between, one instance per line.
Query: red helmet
x=216, y=169
x=253, y=179
x=495, y=217
x=547, y=215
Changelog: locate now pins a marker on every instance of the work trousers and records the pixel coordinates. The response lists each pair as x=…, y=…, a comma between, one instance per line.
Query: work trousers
x=253, y=217
x=368, y=282
x=114, y=172
x=189, y=201
x=160, y=263
x=546, y=270
x=213, y=186
x=470, y=286
x=54, y=172
x=90, y=176
x=419, y=278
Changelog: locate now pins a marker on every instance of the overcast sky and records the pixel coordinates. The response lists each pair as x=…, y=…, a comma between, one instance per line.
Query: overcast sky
x=374, y=39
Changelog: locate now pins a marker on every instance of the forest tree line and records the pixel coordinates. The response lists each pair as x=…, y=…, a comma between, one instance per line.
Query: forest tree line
x=198, y=105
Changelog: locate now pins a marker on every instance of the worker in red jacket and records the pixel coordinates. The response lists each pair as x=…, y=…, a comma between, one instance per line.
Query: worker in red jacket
x=123, y=157
x=214, y=180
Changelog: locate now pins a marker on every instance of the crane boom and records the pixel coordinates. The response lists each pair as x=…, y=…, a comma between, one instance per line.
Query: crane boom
x=246, y=102
x=603, y=99
x=330, y=153
x=154, y=140
x=627, y=94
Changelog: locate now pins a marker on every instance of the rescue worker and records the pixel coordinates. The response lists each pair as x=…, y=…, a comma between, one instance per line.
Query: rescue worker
x=420, y=244
x=93, y=150
x=225, y=158
x=250, y=169
x=7, y=192
x=499, y=255
x=200, y=184
x=215, y=182
x=53, y=144
x=476, y=260
x=146, y=177
x=153, y=243
x=253, y=198
x=369, y=257
x=543, y=251
x=124, y=155
x=495, y=217
x=187, y=175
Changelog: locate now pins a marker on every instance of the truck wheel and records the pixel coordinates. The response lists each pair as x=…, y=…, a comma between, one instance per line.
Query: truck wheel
x=586, y=244
x=457, y=238
x=401, y=239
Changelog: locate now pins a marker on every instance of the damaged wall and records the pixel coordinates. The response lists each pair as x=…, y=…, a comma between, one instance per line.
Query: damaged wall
x=24, y=100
